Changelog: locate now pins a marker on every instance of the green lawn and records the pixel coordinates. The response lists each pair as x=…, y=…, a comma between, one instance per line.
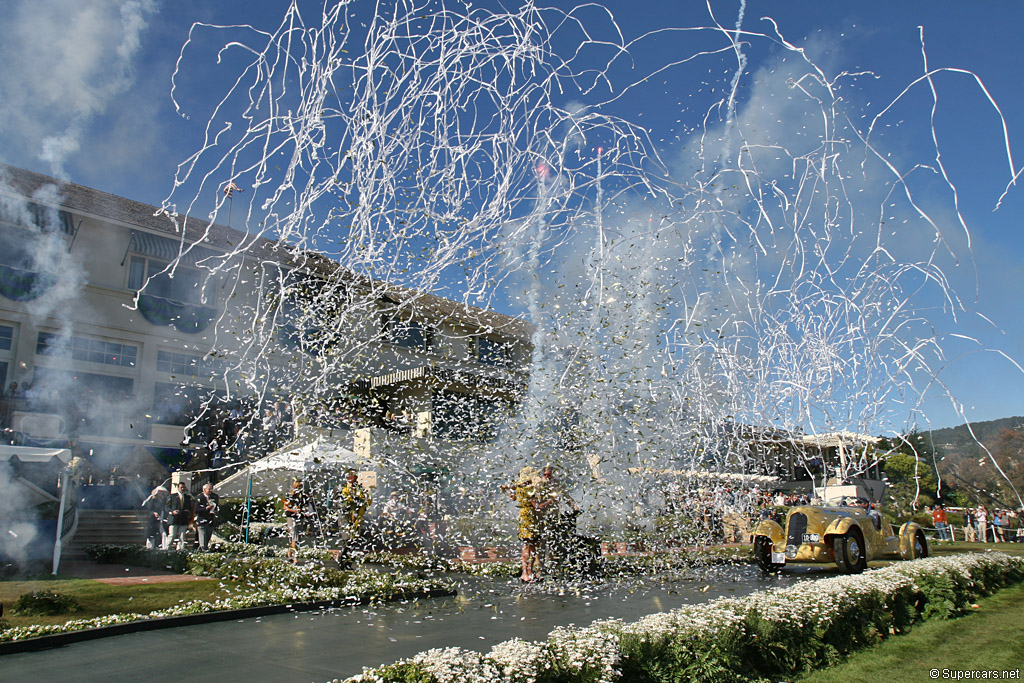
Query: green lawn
x=100, y=599
x=989, y=638
x=952, y=548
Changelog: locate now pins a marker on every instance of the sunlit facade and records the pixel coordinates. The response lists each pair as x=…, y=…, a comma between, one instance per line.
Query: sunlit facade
x=119, y=335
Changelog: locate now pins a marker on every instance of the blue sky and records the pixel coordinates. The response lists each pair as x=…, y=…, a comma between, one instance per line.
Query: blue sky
x=87, y=94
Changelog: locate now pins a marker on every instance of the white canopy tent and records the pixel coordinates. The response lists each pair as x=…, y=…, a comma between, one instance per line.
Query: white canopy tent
x=29, y=454
x=273, y=474
x=706, y=475
x=32, y=492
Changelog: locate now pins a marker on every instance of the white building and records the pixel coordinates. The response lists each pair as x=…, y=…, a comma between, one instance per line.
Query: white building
x=118, y=353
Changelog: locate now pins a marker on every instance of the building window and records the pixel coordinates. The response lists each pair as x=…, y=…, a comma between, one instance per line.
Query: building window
x=88, y=350
x=187, y=364
x=490, y=352
x=79, y=384
x=186, y=285
x=137, y=273
x=409, y=334
x=32, y=215
x=6, y=337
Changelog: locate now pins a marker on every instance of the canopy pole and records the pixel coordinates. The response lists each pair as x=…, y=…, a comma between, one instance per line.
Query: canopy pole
x=60, y=521
x=248, y=504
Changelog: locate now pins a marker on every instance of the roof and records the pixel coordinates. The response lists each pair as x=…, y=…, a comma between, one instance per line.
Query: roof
x=106, y=206
x=835, y=439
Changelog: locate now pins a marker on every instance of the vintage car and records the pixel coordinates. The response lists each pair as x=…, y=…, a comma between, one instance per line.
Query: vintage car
x=843, y=531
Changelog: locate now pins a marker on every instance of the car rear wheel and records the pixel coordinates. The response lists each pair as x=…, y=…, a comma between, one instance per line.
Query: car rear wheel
x=919, y=550
x=850, y=553
x=763, y=555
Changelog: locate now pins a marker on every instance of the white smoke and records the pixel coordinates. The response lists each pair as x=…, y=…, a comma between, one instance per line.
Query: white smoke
x=64, y=63
x=17, y=529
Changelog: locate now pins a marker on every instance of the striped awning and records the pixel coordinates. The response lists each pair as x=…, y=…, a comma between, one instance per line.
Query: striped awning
x=450, y=376
x=167, y=249
x=400, y=376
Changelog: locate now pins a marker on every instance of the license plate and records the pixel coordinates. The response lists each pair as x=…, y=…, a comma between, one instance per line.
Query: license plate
x=811, y=538
x=778, y=558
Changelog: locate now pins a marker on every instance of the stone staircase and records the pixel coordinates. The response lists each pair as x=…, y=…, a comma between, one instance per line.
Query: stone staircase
x=104, y=526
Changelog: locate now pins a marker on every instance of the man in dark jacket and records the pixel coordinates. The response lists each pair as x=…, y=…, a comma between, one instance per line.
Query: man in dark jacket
x=207, y=504
x=156, y=510
x=182, y=508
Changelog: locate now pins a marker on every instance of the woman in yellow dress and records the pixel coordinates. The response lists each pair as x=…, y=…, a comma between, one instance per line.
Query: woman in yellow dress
x=525, y=493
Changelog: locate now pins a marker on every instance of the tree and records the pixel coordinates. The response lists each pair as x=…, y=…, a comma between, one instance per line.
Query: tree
x=910, y=474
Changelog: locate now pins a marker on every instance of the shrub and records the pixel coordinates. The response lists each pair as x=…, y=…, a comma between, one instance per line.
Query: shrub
x=769, y=635
x=45, y=604
x=406, y=672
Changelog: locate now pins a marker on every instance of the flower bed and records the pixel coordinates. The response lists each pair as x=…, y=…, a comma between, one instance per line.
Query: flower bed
x=761, y=637
x=359, y=587
x=274, y=580
x=434, y=564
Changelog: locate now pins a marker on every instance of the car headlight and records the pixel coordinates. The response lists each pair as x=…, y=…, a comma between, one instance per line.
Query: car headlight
x=791, y=551
x=811, y=538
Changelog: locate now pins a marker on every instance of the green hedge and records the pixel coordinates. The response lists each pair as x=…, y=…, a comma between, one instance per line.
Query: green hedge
x=174, y=561
x=765, y=636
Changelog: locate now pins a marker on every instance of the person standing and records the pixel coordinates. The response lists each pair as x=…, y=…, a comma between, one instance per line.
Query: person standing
x=1008, y=534
x=207, y=507
x=970, y=526
x=981, y=517
x=353, y=501
x=155, y=507
x=997, y=527
x=295, y=514
x=940, y=521
x=555, y=510
x=395, y=510
x=182, y=508
x=524, y=492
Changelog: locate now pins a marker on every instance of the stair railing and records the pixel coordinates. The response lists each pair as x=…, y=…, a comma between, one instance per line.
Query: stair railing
x=67, y=518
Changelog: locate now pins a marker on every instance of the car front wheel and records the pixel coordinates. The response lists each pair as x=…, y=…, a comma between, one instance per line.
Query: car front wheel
x=849, y=551
x=763, y=555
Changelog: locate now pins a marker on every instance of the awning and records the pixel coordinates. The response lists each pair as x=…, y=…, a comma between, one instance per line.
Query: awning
x=27, y=454
x=449, y=376
x=400, y=376
x=705, y=474
x=168, y=249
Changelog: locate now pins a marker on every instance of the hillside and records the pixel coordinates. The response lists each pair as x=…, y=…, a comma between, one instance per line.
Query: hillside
x=965, y=465
x=957, y=441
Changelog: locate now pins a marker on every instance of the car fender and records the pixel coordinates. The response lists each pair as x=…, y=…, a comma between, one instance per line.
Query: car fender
x=771, y=529
x=907, y=532
x=839, y=527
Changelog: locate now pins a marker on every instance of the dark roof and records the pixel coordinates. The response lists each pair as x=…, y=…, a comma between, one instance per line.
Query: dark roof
x=220, y=237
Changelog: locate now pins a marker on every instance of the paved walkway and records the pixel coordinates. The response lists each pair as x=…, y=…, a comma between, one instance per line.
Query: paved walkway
x=122, y=574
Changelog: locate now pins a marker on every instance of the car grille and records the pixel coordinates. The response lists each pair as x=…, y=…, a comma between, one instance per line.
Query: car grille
x=797, y=528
